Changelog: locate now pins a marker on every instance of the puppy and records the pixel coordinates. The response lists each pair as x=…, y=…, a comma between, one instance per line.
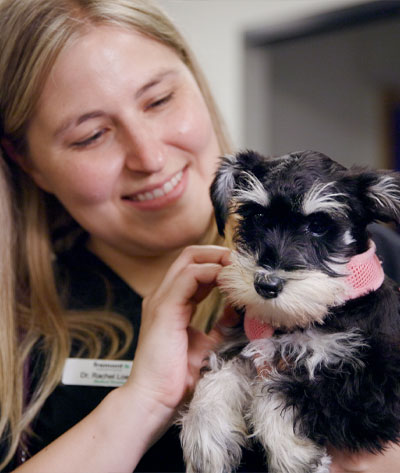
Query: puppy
x=304, y=264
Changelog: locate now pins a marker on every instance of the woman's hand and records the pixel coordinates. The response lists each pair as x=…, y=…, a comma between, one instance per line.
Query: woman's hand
x=116, y=434
x=170, y=353
x=365, y=462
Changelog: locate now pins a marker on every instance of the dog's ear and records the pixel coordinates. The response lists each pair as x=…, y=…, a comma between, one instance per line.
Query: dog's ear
x=380, y=194
x=232, y=174
x=222, y=188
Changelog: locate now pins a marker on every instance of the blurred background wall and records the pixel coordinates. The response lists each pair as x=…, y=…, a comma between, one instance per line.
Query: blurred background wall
x=284, y=84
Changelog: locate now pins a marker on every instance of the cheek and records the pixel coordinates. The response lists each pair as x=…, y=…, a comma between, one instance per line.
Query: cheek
x=86, y=182
x=87, y=191
x=84, y=179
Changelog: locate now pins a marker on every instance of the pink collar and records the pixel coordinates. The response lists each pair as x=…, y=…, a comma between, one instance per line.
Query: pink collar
x=365, y=275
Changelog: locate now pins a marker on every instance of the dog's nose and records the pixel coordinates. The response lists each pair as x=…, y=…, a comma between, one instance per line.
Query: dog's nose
x=268, y=286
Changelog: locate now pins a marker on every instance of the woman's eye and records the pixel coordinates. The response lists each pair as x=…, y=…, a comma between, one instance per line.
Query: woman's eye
x=88, y=141
x=318, y=225
x=160, y=102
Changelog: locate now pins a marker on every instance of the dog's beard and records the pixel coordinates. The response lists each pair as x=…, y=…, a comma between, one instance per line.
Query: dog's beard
x=304, y=300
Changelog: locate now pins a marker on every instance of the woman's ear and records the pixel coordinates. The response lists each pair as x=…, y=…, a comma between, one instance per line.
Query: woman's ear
x=14, y=155
x=24, y=163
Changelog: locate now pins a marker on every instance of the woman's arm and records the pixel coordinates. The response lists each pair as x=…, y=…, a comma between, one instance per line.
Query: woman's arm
x=112, y=438
x=126, y=423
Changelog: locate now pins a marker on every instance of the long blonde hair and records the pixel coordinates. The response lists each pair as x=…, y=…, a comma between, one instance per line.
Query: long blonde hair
x=32, y=34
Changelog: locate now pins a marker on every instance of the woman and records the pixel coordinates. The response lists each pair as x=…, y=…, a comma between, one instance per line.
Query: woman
x=142, y=130
x=111, y=138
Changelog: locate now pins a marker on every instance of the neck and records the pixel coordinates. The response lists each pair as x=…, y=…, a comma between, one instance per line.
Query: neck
x=143, y=273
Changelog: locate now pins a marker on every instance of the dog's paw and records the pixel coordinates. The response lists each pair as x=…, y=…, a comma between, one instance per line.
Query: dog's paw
x=319, y=464
x=302, y=457
x=209, y=465
x=214, y=429
x=211, y=462
x=211, y=443
x=205, y=452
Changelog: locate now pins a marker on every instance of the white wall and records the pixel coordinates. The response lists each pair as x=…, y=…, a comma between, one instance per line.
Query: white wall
x=327, y=93
x=214, y=28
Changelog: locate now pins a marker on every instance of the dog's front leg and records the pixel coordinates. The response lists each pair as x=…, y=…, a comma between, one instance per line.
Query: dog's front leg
x=213, y=428
x=272, y=417
x=273, y=426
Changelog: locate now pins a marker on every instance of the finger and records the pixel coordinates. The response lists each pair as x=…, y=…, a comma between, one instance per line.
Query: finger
x=190, y=286
x=197, y=352
x=203, y=253
x=198, y=279
x=199, y=255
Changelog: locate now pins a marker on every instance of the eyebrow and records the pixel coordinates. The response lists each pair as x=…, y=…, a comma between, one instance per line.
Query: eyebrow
x=75, y=121
x=154, y=81
x=323, y=197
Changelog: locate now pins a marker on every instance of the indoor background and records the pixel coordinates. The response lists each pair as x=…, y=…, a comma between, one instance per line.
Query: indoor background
x=302, y=74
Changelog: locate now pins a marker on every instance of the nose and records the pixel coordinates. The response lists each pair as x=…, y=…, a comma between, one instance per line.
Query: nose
x=268, y=286
x=144, y=150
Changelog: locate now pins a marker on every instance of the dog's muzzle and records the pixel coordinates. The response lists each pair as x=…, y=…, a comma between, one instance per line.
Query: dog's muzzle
x=268, y=286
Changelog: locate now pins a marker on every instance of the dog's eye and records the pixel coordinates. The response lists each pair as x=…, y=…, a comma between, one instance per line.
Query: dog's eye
x=318, y=225
x=258, y=218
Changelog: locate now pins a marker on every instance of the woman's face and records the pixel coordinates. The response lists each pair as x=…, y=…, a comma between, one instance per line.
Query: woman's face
x=123, y=138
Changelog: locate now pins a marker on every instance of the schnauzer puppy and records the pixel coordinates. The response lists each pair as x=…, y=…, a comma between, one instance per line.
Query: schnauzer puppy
x=303, y=263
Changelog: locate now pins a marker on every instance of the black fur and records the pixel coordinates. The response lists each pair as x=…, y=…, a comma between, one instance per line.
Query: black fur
x=305, y=214
x=353, y=408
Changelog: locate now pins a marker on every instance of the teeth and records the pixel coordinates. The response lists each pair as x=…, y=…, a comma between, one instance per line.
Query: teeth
x=160, y=191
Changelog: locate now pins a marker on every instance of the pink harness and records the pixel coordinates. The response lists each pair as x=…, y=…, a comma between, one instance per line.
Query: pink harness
x=365, y=275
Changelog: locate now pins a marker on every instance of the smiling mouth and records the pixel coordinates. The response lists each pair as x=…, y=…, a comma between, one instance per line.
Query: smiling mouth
x=161, y=191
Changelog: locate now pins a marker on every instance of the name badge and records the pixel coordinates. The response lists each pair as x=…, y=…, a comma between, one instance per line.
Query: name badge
x=92, y=372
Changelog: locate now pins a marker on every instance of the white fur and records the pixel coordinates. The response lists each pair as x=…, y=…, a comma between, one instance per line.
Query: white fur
x=229, y=401
x=311, y=349
x=319, y=199
x=386, y=193
x=272, y=425
x=348, y=237
x=304, y=300
x=254, y=193
x=214, y=428
x=226, y=179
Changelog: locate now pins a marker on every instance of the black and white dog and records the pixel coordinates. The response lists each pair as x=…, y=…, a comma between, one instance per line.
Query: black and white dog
x=303, y=263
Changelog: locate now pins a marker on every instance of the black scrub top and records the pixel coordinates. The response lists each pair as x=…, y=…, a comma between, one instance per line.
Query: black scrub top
x=93, y=285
